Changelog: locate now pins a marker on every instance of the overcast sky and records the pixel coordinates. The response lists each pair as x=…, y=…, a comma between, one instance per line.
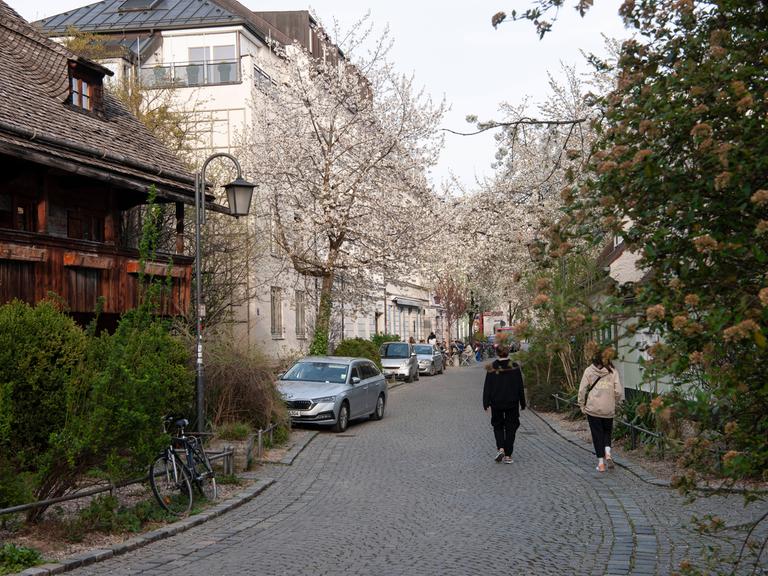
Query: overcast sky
x=453, y=51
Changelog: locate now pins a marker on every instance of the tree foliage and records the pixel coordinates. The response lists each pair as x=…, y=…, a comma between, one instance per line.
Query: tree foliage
x=681, y=173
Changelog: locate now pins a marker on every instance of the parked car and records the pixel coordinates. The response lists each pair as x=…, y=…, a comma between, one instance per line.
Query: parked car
x=430, y=359
x=398, y=360
x=332, y=390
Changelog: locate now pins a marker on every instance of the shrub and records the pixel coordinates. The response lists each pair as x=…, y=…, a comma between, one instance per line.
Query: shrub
x=104, y=514
x=233, y=430
x=130, y=380
x=240, y=387
x=40, y=349
x=16, y=558
x=71, y=404
x=543, y=376
x=358, y=348
x=379, y=339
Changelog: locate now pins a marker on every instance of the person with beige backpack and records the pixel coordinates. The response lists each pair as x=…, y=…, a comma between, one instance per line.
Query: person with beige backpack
x=600, y=393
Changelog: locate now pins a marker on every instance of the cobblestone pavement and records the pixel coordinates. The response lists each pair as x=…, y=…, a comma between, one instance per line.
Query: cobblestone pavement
x=418, y=493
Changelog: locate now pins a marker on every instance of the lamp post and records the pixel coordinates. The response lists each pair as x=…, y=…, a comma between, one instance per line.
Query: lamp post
x=239, y=195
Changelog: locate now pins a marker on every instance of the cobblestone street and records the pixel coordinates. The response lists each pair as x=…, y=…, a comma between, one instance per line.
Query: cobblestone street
x=419, y=493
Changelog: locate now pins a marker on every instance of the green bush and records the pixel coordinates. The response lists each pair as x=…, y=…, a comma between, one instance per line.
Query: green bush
x=14, y=486
x=358, y=348
x=379, y=339
x=240, y=387
x=543, y=376
x=233, y=430
x=40, y=350
x=72, y=403
x=280, y=436
x=104, y=514
x=17, y=558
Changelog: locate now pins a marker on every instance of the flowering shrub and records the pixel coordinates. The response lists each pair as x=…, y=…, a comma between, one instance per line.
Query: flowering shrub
x=683, y=144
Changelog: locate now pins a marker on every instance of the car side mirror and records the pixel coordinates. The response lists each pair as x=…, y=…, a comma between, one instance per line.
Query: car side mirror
x=355, y=380
x=280, y=375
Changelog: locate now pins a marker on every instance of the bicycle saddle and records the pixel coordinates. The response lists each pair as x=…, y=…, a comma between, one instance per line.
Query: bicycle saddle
x=178, y=422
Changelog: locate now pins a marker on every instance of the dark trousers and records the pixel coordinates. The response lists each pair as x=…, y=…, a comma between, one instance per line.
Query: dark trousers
x=601, y=429
x=505, y=423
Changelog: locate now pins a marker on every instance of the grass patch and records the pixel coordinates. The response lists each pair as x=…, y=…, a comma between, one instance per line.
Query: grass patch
x=231, y=479
x=17, y=558
x=233, y=430
x=280, y=436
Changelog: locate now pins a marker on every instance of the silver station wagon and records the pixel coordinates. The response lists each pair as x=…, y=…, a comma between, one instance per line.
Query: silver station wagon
x=332, y=390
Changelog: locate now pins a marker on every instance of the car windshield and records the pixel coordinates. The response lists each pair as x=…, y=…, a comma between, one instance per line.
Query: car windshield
x=423, y=349
x=395, y=350
x=317, y=372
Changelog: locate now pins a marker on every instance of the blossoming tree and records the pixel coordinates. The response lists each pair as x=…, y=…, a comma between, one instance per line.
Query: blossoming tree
x=341, y=146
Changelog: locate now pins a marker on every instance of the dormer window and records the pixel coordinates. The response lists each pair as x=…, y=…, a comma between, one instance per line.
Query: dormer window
x=82, y=96
x=85, y=87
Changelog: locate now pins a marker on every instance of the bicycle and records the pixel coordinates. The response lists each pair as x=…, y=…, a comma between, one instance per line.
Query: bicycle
x=172, y=479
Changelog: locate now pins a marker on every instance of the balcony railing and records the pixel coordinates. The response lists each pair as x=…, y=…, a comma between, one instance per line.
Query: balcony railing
x=191, y=74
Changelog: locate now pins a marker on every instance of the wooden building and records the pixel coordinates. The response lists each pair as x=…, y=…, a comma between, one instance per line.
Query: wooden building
x=75, y=168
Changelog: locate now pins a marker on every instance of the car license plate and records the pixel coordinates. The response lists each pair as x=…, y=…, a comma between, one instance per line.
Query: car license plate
x=294, y=412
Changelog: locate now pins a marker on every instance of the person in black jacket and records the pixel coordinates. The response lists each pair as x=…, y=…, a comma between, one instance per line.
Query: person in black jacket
x=504, y=394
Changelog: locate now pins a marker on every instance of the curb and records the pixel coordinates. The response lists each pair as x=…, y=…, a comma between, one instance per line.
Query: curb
x=93, y=556
x=630, y=467
x=288, y=459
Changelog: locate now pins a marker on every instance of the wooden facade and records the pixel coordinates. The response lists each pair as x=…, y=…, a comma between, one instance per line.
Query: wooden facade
x=76, y=167
x=61, y=233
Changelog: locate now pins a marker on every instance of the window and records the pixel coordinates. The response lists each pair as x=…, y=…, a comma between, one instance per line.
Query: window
x=81, y=91
x=18, y=213
x=276, y=300
x=369, y=370
x=274, y=246
x=137, y=5
x=223, y=68
x=262, y=80
x=84, y=225
x=301, y=331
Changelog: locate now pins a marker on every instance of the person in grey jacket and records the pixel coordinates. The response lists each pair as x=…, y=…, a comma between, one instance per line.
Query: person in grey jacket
x=600, y=393
x=504, y=393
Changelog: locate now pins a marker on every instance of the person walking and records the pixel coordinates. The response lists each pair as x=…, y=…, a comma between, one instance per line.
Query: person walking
x=504, y=394
x=600, y=393
x=431, y=339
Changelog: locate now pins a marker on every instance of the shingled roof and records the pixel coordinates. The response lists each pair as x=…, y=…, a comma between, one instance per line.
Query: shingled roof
x=37, y=122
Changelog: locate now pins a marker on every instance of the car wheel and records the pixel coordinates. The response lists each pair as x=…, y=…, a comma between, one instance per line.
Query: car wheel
x=432, y=369
x=378, y=414
x=342, y=420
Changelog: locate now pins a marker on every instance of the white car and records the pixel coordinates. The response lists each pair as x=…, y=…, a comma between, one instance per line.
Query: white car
x=430, y=359
x=398, y=360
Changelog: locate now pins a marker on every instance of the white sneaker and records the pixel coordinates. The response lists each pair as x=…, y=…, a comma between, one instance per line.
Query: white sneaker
x=508, y=460
x=499, y=455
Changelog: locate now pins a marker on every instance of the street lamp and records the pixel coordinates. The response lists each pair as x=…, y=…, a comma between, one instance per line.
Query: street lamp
x=239, y=194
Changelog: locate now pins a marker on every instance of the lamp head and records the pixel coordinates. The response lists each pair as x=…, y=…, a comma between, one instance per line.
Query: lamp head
x=239, y=195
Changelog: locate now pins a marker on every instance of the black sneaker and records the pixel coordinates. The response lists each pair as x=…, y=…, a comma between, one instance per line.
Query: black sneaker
x=499, y=455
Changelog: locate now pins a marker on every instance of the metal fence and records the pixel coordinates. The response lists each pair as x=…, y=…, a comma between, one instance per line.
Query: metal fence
x=183, y=74
x=635, y=432
x=227, y=455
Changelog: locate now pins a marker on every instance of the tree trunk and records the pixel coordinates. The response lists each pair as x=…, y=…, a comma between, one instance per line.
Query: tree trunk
x=321, y=339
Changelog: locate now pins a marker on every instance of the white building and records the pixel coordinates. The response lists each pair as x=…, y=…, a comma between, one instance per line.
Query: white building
x=216, y=55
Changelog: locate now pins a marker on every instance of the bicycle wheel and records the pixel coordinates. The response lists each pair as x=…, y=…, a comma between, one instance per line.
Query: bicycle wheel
x=170, y=484
x=205, y=481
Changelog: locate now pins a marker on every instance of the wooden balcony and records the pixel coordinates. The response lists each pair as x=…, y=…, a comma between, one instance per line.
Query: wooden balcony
x=80, y=271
